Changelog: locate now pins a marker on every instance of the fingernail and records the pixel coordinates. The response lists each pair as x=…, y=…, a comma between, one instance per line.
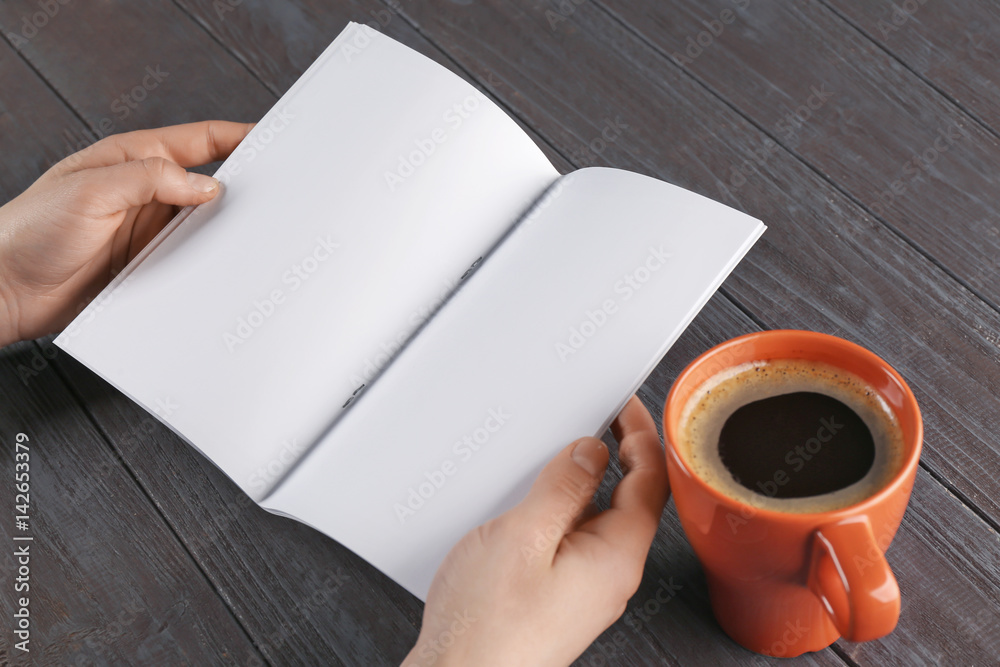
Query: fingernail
x=587, y=455
x=201, y=183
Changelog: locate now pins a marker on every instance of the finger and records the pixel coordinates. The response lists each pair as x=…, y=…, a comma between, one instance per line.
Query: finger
x=149, y=221
x=122, y=186
x=633, y=417
x=188, y=145
x=563, y=490
x=589, y=512
x=638, y=501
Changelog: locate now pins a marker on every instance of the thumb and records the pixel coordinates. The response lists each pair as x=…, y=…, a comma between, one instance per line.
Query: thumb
x=565, y=487
x=128, y=184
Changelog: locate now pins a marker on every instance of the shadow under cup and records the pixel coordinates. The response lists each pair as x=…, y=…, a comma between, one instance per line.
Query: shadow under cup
x=782, y=583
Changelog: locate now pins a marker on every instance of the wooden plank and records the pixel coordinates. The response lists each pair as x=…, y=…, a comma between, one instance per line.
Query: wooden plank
x=35, y=126
x=952, y=45
x=947, y=562
x=682, y=631
x=828, y=94
x=877, y=115
x=946, y=559
x=579, y=134
x=234, y=29
x=243, y=548
x=303, y=598
x=824, y=264
x=147, y=65
x=365, y=618
x=109, y=583
x=363, y=654
x=276, y=633
x=277, y=43
x=305, y=593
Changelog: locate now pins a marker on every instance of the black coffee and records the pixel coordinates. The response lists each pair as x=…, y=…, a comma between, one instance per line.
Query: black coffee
x=796, y=445
x=791, y=435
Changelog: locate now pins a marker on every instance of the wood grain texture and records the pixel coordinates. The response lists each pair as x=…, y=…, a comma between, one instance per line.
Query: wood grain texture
x=566, y=70
x=313, y=611
x=945, y=558
x=278, y=41
x=302, y=597
x=36, y=128
x=955, y=46
x=129, y=65
x=109, y=582
x=848, y=110
x=295, y=623
x=824, y=264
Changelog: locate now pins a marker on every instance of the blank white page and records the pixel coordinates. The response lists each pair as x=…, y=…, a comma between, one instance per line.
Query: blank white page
x=542, y=345
x=350, y=211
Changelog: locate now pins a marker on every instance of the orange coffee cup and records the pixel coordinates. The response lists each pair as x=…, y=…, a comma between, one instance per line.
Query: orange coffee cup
x=784, y=583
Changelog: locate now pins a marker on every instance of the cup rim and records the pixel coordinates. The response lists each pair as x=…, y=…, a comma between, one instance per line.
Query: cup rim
x=913, y=444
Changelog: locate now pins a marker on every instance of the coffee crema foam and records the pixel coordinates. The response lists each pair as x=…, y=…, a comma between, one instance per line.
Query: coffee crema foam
x=718, y=398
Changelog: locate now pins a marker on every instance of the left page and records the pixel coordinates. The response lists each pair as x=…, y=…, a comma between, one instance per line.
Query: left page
x=350, y=212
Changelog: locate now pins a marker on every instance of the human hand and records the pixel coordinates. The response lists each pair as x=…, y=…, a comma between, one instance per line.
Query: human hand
x=82, y=221
x=538, y=584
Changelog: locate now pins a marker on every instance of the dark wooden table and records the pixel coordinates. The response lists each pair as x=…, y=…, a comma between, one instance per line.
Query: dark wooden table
x=865, y=134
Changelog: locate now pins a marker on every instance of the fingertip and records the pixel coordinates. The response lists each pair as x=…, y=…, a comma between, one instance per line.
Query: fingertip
x=591, y=455
x=632, y=417
x=202, y=184
x=566, y=485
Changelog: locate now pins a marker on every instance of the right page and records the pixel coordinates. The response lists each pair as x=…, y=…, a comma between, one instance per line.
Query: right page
x=542, y=345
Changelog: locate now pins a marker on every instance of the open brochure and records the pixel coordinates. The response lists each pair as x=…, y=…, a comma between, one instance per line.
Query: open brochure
x=397, y=311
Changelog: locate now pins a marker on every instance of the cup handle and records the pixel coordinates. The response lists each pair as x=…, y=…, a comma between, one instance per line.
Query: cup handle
x=850, y=576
